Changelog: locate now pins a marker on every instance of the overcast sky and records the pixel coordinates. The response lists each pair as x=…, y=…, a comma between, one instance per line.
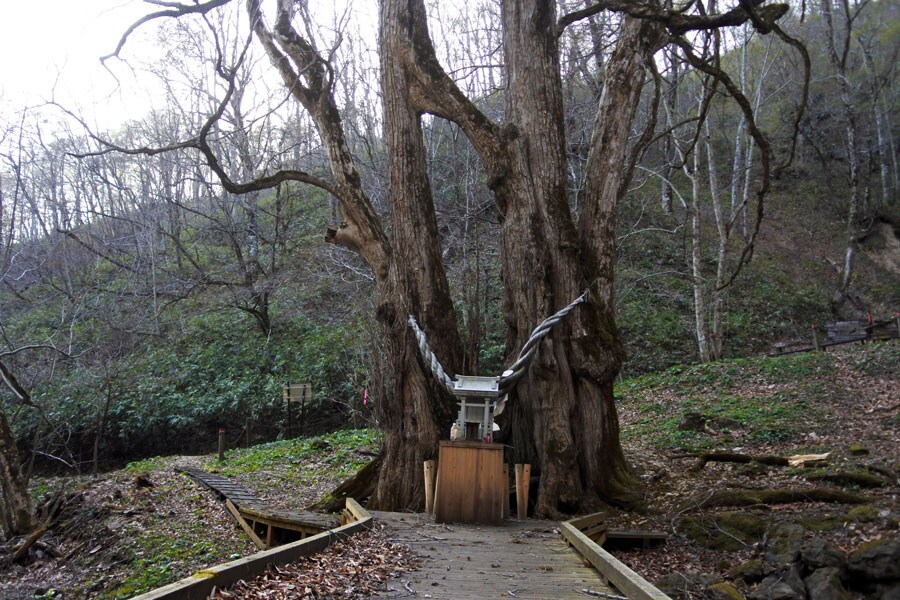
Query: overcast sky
x=50, y=49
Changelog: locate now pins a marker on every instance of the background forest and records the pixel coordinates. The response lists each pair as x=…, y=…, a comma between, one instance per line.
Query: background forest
x=142, y=306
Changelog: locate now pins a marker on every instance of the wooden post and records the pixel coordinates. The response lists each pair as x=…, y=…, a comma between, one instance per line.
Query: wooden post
x=523, y=474
x=249, y=435
x=287, y=400
x=437, y=487
x=504, y=507
x=221, y=445
x=816, y=341
x=429, y=486
x=302, y=410
x=245, y=525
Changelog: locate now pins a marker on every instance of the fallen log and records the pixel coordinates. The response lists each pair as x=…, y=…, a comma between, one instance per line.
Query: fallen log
x=848, y=478
x=732, y=457
x=765, y=459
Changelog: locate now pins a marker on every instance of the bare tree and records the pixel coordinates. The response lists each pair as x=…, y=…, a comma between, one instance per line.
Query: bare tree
x=838, y=43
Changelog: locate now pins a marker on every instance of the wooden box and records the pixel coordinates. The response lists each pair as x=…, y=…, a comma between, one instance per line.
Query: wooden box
x=471, y=487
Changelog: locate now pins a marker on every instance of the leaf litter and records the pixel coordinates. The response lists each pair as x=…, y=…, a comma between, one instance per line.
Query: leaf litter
x=355, y=567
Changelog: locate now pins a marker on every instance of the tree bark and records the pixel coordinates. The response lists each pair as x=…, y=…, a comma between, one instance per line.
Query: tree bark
x=15, y=488
x=409, y=275
x=700, y=328
x=670, y=154
x=562, y=417
x=716, y=306
x=419, y=411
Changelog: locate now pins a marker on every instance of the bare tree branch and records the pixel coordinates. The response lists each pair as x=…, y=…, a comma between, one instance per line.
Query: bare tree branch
x=177, y=10
x=678, y=23
x=758, y=137
x=804, y=98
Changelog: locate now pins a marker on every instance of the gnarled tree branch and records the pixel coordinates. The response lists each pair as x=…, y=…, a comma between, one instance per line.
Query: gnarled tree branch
x=176, y=10
x=679, y=23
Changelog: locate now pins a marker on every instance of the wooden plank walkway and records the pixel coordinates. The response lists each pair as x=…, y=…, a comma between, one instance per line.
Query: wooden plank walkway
x=269, y=523
x=224, y=488
x=518, y=559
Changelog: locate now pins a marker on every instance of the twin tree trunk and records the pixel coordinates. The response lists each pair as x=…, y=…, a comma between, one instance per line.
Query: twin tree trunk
x=562, y=417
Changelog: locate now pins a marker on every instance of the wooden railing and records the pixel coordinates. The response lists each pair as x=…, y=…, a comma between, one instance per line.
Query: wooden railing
x=583, y=534
x=199, y=585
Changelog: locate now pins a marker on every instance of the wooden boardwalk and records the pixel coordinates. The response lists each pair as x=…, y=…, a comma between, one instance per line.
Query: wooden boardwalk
x=518, y=559
x=266, y=526
x=223, y=487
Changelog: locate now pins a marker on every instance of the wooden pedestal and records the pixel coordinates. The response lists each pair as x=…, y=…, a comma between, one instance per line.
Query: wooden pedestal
x=471, y=487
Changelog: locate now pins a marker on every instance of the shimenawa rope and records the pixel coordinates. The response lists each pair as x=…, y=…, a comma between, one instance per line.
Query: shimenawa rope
x=511, y=376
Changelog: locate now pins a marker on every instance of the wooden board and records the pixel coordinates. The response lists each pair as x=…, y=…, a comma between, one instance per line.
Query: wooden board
x=258, y=519
x=300, y=520
x=223, y=487
x=633, y=585
x=518, y=559
x=472, y=486
x=199, y=585
x=246, y=527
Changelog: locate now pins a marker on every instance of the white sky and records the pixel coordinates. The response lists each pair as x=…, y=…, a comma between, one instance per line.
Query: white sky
x=50, y=49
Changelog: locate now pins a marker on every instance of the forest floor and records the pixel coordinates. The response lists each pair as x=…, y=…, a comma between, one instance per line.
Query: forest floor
x=131, y=530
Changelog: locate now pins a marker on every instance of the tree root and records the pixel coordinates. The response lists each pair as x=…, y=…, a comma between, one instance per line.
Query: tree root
x=733, y=457
x=848, y=478
x=360, y=487
x=779, y=496
x=32, y=538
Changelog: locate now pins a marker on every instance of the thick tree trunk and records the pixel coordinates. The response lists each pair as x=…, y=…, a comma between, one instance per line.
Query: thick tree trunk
x=606, y=183
x=409, y=276
x=563, y=418
x=418, y=412
x=15, y=488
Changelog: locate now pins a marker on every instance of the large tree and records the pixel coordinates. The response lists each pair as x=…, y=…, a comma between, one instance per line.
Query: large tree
x=16, y=510
x=562, y=417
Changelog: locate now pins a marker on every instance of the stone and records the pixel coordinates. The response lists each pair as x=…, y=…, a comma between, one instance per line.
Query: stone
x=774, y=587
x=784, y=544
x=686, y=585
x=878, y=560
x=818, y=553
x=825, y=584
x=724, y=591
x=748, y=572
x=890, y=591
x=794, y=578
